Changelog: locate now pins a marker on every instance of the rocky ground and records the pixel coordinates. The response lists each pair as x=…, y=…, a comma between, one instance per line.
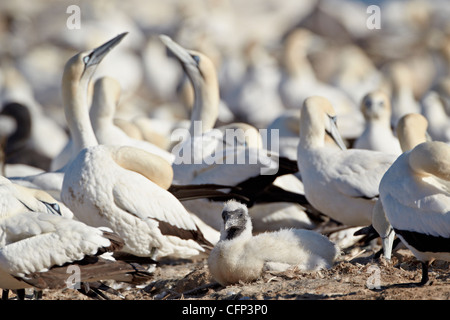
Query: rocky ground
x=355, y=276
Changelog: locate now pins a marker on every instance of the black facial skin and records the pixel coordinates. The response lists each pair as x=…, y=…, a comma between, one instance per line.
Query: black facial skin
x=233, y=232
x=239, y=225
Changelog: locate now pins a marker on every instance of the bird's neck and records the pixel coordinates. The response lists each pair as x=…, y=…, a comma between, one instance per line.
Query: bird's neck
x=434, y=110
x=100, y=119
x=77, y=115
x=312, y=135
x=297, y=65
x=383, y=121
x=206, y=105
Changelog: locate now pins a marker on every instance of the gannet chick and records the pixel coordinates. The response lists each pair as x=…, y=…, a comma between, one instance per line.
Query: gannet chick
x=240, y=256
x=415, y=195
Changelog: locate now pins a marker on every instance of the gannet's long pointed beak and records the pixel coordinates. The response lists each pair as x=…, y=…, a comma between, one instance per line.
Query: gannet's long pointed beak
x=181, y=53
x=189, y=62
x=334, y=133
x=97, y=54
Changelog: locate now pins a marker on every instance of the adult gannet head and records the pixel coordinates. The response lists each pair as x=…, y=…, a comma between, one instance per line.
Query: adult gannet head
x=52, y=205
x=84, y=64
x=297, y=45
x=196, y=64
x=202, y=74
x=376, y=105
x=412, y=130
x=415, y=197
x=236, y=221
x=431, y=158
x=317, y=119
x=77, y=75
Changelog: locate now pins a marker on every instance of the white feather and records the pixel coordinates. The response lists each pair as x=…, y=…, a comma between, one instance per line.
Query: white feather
x=245, y=257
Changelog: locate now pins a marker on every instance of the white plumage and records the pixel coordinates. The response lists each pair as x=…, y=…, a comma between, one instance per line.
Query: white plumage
x=17, y=198
x=76, y=80
x=77, y=75
x=227, y=155
x=36, y=242
x=434, y=111
x=411, y=131
x=402, y=97
x=288, y=126
x=228, y=172
x=275, y=60
x=239, y=256
x=377, y=134
x=151, y=220
x=38, y=234
x=415, y=193
x=122, y=187
x=342, y=184
x=300, y=82
x=103, y=109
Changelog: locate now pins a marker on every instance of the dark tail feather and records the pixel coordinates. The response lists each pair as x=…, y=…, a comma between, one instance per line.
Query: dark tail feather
x=96, y=290
x=205, y=191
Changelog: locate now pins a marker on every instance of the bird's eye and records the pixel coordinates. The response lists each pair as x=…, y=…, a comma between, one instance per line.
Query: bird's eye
x=56, y=207
x=53, y=208
x=333, y=119
x=196, y=59
x=86, y=59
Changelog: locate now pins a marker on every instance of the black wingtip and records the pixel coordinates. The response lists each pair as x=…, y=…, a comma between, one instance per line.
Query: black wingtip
x=369, y=230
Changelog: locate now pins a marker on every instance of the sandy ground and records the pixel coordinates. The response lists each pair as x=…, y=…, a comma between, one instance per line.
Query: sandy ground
x=355, y=276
